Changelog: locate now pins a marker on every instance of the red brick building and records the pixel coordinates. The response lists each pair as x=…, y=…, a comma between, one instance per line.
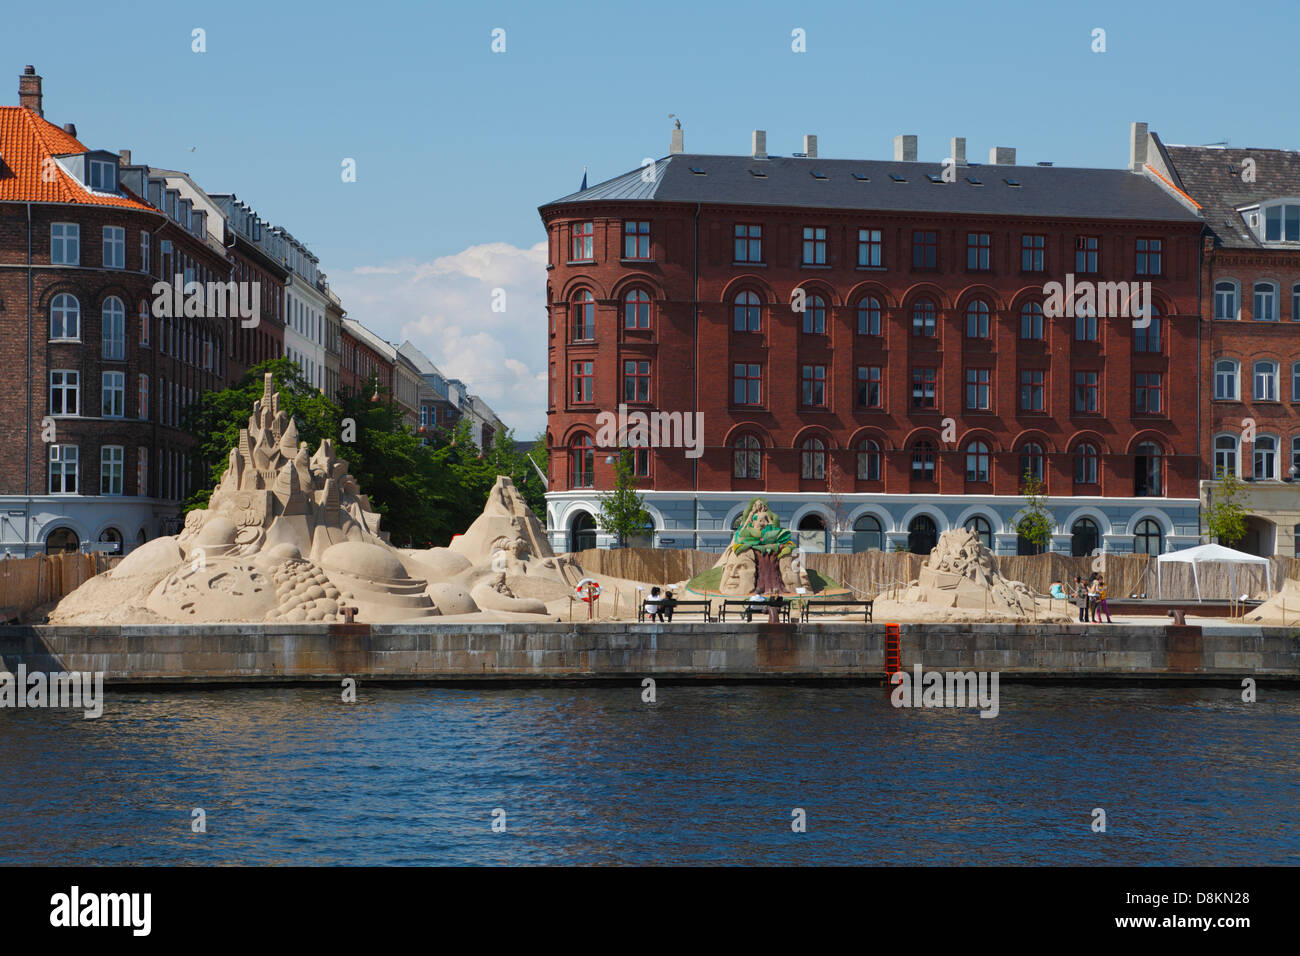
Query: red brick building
x=1250, y=319
x=922, y=377
x=362, y=354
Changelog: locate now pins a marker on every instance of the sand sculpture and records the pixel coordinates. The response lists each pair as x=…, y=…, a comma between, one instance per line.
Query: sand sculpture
x=960, y=581
x=290, y=537
x=761, y=556
x=1283, y=608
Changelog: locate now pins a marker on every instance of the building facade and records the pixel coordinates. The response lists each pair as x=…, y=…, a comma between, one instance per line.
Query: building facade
x=1250, y=320
x=876, y=348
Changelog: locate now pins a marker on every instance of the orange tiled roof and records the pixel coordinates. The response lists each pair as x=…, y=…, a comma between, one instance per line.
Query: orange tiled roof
x=25, y=141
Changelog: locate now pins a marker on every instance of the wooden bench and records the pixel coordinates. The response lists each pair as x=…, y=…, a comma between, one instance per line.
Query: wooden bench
x=824, y=605
x=747, y=609
x=689, y=607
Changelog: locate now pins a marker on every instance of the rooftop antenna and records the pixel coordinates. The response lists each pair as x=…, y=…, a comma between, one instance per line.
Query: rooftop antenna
x=1223, y=142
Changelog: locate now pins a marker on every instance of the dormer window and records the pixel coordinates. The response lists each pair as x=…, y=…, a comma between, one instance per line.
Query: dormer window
x=1282, y=222
x=102, y=176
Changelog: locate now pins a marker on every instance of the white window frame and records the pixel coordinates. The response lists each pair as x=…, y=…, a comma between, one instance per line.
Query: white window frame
x=113, y=468
x=66, y=459
x=66, y=238
x=1270, y=368
x=1282, y=205
x=1269, y=293
x=1219, y=452
x=1261, y=455
x=112, y=400
x=1235, y=303
x=146, y=248
x=1235, y=394
x=114, y=247
x=112, y=329
x=74, y=313
x=69, y=383
x=101, y=166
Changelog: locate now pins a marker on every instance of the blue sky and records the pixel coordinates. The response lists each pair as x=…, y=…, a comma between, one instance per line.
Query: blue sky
x=456, y=146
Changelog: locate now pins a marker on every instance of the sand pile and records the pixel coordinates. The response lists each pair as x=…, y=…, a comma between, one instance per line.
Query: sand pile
x=1283, y=608
x=290, y=537
x=960, y=581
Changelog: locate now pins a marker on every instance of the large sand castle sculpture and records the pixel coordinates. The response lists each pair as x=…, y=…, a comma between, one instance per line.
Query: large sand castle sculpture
x=290, y=537
x=960, y=581
x=761, y=556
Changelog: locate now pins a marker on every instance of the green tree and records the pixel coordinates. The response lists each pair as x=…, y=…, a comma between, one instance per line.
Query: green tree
x=1225, y=518
x=622, y=510
x=1034, y=522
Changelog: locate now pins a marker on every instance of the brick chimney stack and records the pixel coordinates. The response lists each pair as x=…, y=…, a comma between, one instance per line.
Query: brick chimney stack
x=29, y=91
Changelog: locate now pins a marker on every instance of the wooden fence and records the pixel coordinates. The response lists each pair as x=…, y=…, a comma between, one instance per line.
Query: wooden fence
x=28, y=583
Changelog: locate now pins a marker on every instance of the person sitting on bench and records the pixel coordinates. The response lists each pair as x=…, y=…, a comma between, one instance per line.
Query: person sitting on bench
x=666, y=609
x=652, y=606
x=756, y=598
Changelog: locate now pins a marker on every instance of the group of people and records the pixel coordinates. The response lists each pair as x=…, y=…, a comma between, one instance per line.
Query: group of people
x=659, y=605
x=1089, y=596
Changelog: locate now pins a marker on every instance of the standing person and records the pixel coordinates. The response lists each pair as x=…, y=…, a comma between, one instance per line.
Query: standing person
x=1101, y=600
x=1081, y=598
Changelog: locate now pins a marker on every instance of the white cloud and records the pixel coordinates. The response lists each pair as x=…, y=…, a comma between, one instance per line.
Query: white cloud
x=445, y=308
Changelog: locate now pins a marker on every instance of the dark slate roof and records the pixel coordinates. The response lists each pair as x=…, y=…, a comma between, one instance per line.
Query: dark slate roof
x=1212, y=176
x=1055, y=191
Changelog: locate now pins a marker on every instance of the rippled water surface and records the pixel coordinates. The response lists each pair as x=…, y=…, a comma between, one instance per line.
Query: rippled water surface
x=704, y=775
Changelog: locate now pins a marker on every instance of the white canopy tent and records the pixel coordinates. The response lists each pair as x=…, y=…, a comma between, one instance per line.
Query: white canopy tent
x=1217, y=553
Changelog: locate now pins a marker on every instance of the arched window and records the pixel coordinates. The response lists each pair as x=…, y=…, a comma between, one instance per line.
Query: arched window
x=1265, y=302
x=746, y=313
x=112, y=317
x=922, y=534
x=983, y=530
x=111, y=536
x=1147, y=338
x=582, y=455
x=584, y=316
x=1227, y=380
x=1023, y=544
x=1225, y=300
x=747, y=457
x=1147, y=470
x=636, y=309
x=1031, y=460
x=65, y=317
x=869, y=459
x=1031, y=321
x=1148, y=538
x=814, y=315
x=1265, y=458
x=813, y=459
x=1085, y=464
x=867, y=534
x=1225, y=455
x=1293, y=470
x=1265, y=380
x=1085, y=537
x=923, y=461
x=977, y=462
x=60, y=540
x=869, y=316
x=582, y=533
x=923, y=317
x=812, y=533
x=977, y=319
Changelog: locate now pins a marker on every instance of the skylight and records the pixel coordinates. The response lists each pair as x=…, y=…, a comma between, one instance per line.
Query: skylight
x=818, y=175
x=897, y=178
x=1011, y=182
x=697, y=171
x=974, y=181
x=862, y=179
x=934, y=177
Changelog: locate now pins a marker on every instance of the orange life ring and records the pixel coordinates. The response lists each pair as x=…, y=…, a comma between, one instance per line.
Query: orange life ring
x=588, y=589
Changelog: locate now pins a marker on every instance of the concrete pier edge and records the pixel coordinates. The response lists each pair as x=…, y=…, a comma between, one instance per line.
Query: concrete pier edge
x=464, y=654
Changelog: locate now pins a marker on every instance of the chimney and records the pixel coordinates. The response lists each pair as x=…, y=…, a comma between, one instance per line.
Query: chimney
x=678, y=144
x=1002, y=155
x=904, y=148
x=810, y=145
x=1137, y=147
x=758, y=141
x=124, y=157
x=29, y=91
x=958, y=150
x=70, y=129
